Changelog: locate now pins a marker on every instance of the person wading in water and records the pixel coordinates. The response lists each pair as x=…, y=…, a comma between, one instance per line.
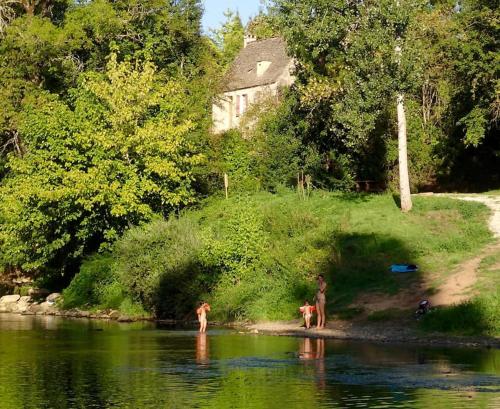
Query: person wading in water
x=321, y=301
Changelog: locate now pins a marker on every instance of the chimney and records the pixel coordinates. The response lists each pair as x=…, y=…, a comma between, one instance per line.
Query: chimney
x=247, y=39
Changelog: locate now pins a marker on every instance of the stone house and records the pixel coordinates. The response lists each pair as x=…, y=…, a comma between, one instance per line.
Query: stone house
x=260, y=69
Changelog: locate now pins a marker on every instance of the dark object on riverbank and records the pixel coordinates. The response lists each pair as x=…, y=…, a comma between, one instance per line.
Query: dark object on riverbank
x=424, y=307
x=404, y=268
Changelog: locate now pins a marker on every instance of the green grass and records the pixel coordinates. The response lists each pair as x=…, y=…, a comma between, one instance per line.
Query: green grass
x=257, y=256
x=492, y=192
x=479, y=316
x=352, y=239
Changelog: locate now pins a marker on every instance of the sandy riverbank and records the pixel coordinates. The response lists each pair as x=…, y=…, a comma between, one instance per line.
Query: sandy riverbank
x=383, y=332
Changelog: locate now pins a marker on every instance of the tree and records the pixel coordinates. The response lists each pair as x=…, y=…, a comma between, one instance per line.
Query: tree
x=113, y=157
x=229, y=37
x=349, y=74
x=263, y=25
x=476, y=62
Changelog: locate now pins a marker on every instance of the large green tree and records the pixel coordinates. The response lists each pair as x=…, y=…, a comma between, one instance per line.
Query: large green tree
x=114, y=156
x=41, y=53
x=356, y=61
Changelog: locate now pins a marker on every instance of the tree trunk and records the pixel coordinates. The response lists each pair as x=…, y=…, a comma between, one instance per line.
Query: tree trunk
x=404, y=180
x=29, y=7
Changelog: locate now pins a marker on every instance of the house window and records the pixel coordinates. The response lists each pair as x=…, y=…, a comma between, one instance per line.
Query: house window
x=241, y=104
x=244, y=103
x=262, y=67
x=231, y=109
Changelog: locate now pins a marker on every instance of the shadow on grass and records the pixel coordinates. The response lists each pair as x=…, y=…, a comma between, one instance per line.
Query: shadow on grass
x=355, y=197
x=359, y=263
x=397, y=200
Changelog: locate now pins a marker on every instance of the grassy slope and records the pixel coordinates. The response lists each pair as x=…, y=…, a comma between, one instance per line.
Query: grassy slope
x=352, y=239
x=260, y=253
x=480, y=315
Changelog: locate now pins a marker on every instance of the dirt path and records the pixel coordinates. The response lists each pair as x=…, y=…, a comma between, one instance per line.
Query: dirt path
x=459, y=286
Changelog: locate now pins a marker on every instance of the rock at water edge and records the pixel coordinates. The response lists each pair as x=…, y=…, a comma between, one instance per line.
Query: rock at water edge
x=8, y=299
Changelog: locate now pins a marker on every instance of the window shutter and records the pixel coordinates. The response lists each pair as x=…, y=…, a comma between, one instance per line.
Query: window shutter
x=245, y=103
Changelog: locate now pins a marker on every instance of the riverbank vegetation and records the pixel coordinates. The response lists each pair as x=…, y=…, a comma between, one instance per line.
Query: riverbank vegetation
x=481, y=314
x=255, y=257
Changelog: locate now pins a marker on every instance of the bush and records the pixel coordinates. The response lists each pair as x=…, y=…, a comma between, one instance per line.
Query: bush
x=231, y=154
x=98, y=287
x=480, y=316
x=158, y=265
x=89, y=286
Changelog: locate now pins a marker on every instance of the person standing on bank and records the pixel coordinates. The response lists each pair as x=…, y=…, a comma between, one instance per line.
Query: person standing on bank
x=321, y=301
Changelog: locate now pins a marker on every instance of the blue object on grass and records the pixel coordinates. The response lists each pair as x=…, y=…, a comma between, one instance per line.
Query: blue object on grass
x=403, y=268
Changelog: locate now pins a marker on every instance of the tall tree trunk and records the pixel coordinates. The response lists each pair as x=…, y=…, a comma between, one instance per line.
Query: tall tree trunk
x=404, y=180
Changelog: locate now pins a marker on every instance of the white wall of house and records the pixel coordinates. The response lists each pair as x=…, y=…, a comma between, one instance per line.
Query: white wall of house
x=229, y=107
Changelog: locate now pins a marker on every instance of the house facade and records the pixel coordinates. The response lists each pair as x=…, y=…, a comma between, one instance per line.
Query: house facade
x=260, y=69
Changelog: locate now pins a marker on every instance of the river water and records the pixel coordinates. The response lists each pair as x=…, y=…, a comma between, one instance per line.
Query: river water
x=49, y=362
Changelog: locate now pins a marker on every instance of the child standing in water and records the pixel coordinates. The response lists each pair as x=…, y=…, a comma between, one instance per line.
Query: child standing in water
x=307, y=312
x=202, y=315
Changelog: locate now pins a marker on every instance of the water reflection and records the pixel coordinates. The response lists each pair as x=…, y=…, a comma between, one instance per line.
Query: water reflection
x=71, y=365
x=320, y=363
x=305, y=351
x=202, y=349
x=312, y=351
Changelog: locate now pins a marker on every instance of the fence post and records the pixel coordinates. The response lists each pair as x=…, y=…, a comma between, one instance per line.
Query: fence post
x=226, y=184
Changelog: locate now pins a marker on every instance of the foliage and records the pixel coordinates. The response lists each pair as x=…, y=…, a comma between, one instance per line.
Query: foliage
x=86, y=287
x=255, y=257
x=348, y=73
x=97, y=286
x=263, y=26
x=158, y=265
x=38, y=53
x=477, y=317
x=271, y=149
x=229, y=37
x=113, y=157
x=231, y=153
x=475, y=59
x=250, y=284
x=276, y=148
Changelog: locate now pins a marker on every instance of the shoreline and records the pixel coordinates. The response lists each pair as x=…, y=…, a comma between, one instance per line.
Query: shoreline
x=388, y=332
x=383, y=332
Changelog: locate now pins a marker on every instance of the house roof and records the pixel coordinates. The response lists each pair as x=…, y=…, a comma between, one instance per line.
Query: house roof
x=243, y=72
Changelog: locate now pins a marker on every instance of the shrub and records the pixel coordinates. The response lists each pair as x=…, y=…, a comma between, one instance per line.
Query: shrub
x=231, y=154
x=479, y=316
x=90, y=286
x=157, y=263
x=252, y=282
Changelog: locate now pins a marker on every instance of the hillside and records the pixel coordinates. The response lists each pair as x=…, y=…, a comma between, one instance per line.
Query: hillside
x=256, y=257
